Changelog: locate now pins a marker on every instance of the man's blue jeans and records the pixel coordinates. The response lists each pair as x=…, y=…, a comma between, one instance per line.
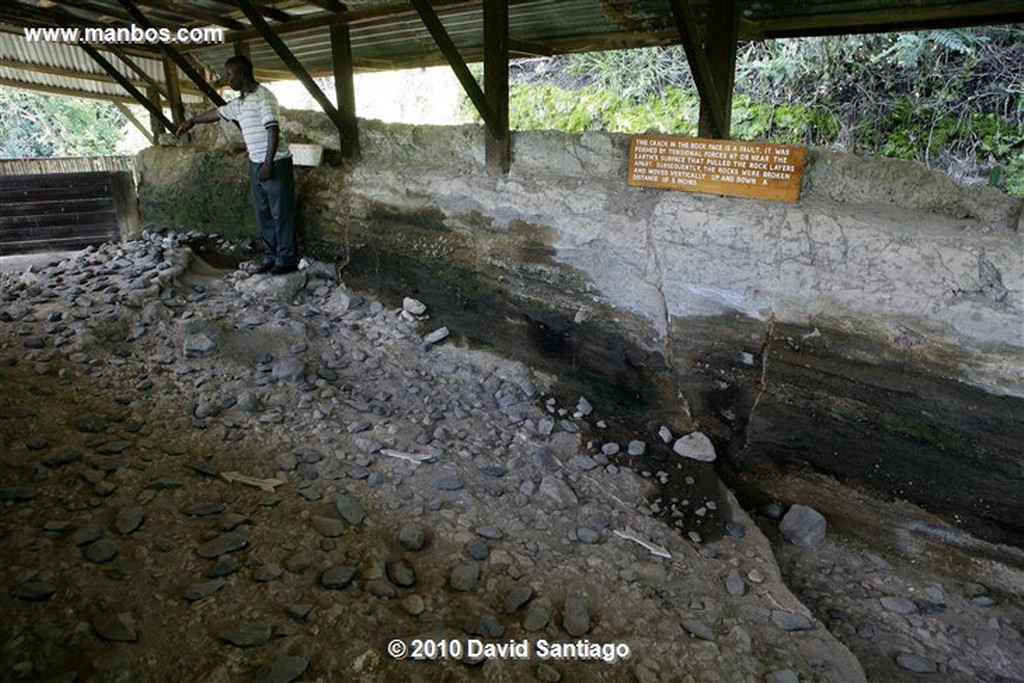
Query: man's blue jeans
x=274, y=200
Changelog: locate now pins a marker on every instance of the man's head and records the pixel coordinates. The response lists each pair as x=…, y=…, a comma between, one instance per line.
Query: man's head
x=238, y=72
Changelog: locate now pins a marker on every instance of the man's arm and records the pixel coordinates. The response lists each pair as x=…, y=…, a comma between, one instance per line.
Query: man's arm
x=267, y=167
x=206, y=117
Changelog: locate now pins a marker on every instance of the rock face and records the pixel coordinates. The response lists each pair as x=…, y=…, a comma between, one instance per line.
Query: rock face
x=882, y=269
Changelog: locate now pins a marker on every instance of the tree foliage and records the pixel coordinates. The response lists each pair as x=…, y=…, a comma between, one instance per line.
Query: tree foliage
x=37, y=125
x=951, y=99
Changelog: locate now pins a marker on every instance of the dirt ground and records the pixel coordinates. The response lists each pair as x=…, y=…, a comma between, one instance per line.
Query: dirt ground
x=214, y=476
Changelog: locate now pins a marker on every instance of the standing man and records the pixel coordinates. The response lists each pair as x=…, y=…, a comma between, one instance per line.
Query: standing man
x=270, y=167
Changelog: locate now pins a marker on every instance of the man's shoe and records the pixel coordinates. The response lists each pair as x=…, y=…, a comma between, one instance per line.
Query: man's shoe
x=265, y=267
x=283, y=269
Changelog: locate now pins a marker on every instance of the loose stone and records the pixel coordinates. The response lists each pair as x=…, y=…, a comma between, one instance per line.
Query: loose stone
x=695, y=446
x=349, y=509
x=249, y=634
x=198, y=591
x=328, y=526
x=103, y=550
x=803, y=526
x=34, y=591
x=401, y=574
x=115, y=627
x=464, y=577
x=698, y=629
x=338, y=577
x=282, y=670
x=477, y=549
x=411, y=537
x=789, y=621
x=575, y=617
x=915, y=663
x=225, y=543
x=129, y=519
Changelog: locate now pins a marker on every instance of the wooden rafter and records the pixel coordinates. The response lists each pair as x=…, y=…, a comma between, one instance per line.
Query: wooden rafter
x=458, y=65
x=700, y=67
x=399, y=10
x=61, y=90
x=175, y=56
x=154, y=110
x=268, y=11
x=132, y=119
x=275, y=42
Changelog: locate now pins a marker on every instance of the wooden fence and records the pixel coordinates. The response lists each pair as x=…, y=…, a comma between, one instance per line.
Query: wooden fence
x=64, y=204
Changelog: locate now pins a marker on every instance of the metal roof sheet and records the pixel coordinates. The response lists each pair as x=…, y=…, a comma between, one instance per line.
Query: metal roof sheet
x=388, y=34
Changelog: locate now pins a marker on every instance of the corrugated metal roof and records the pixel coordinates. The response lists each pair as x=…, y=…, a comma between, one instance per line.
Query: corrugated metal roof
x=67, y=69
x=388, y=34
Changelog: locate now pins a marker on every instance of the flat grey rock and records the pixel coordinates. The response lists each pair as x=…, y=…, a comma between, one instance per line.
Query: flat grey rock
x=915, y=663
x=103, y=550
x=695, y=446
x=225, y=543
x=790, y=621
x=517, y=597
x=698, y=629
x=328, y=526
x=898, y=605
x=411, y=537
x=338, y=577
x=464, y=577
x=198, y=591
x=804, y=527
x=248, y=634
x=282, y=670
x=115, y=627
x=575, y=617
x=734, y=584
x=349, y=509
x=401, y=573
x=129, y=519
x=33, y=591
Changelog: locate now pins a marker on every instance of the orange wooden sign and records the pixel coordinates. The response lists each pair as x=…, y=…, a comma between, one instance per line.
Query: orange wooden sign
x=732, y=167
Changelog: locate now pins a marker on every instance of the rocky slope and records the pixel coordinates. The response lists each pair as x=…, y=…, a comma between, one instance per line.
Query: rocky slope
x=214, y=476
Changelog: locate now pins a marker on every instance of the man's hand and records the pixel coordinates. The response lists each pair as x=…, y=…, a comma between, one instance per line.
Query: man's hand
x=266, y=170
x=185, y=127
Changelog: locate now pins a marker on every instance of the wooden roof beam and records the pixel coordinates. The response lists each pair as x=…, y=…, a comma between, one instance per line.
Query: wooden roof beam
x=275, y=42
x=267, y=11
x=60, y=90
x=154, y=110
x=700, y=66
x=458, y=65
x=175, y=56
x=351, y=18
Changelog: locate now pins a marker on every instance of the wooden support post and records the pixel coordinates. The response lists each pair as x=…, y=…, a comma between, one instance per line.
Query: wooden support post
x=154, y=120
x=175, y=56
x=720, y=42
x=345, y=91
x=174, y=92
x=132, y=119
x=275, y=42
x=458, y=65
x=699, y=65
x=154, y=109
x=496, y=45
x=242, y=49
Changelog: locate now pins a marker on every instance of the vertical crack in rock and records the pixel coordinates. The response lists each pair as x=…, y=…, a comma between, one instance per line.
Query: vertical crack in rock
x=775, y=232
x=658, y=280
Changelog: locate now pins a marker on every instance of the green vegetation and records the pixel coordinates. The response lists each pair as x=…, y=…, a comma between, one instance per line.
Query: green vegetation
x=951, y=99
x=35, y=125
